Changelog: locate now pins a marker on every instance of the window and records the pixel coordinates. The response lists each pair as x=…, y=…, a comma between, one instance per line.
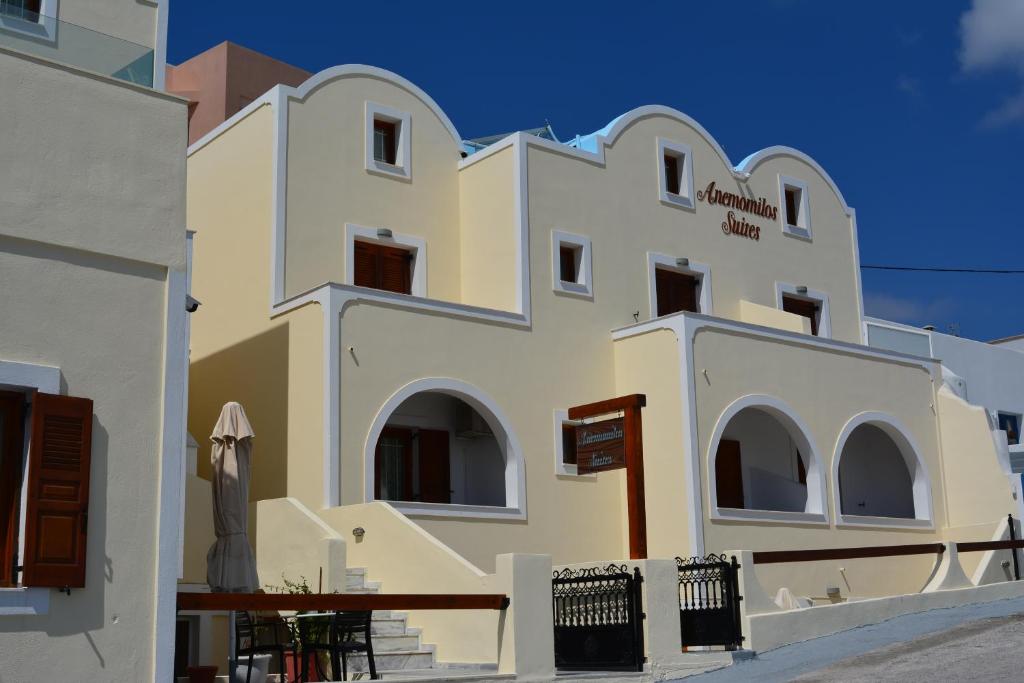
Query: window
x=804, y=308
x=385, y=141
x=806, y=303
x=27, y=10
x=379, y=266
x=1010, y=423
x=388, y=147
x=568, y=443
x=675, y=166
x=565, y=446
x=796, y=216
x=677, y=284
x=676, y=291
x=570, y=264
x=49, y=543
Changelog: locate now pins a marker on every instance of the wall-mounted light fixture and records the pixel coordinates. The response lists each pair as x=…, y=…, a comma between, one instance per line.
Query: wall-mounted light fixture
x=801, y=289
x=384, y=233
x=683, y=262
x=359, y=532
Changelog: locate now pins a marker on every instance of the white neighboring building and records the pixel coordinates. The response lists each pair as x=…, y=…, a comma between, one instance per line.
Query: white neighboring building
x=988, y=374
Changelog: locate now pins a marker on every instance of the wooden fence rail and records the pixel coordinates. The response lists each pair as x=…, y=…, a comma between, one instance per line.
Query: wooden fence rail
x=339, y=601
x=777, y=556
x=974, y=546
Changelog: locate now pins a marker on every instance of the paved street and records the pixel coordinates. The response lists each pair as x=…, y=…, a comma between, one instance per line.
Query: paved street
x=973, y=643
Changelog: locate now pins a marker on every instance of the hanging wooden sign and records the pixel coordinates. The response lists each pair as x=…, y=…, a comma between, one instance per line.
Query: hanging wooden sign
x=601, y=446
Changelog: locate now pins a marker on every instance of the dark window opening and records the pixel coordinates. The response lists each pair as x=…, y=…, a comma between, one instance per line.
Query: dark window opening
x=27, y=10
x=385, y=141
x=792, y=206
x=12, y=420
x=379, y=266
x=567, y=258
x=568, y=444
x=672, y=175
x=676, y=291
x=804, y=308
x=1010, y=424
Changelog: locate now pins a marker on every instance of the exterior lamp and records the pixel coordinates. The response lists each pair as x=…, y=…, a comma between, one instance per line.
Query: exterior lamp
x=801, y=289
x=384, y=233
x=682, y=262
x=359, y=532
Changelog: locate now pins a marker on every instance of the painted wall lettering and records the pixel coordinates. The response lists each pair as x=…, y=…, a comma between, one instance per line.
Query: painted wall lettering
x=733, y=225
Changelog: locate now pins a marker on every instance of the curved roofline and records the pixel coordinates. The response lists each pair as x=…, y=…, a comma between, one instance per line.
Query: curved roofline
x=610, y=133
x=345, y=70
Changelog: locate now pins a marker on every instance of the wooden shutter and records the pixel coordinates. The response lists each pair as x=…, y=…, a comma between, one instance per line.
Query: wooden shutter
x=365, y=269
x=729, y=474
x=804, y=308
x=675, y=291
x=395, y=270
x=58, y=492
x=12, y=440
x=435, y=466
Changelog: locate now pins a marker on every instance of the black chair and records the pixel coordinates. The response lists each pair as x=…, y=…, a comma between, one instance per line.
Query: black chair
x=348, y=632
x=247, y=641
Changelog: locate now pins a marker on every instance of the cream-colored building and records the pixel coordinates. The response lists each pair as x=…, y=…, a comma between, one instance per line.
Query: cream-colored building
x=408, y=317
x=92, y=343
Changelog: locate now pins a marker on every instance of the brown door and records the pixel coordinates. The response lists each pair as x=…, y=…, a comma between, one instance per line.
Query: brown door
x=804, y=308
x=12, y=427
x=435, y=466
x=675, y=291
x=729, y=474
x=392, y=472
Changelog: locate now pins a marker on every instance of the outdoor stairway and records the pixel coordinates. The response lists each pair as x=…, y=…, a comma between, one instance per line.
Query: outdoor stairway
x=396, y=645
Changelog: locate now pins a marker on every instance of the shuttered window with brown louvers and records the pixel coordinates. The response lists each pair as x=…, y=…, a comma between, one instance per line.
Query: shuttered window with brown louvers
x=379, y=266
x=57, y=511
x=675, y=291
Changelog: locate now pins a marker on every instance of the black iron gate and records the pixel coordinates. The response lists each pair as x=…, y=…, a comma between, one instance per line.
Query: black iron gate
x=598, y=619
x=709, y=601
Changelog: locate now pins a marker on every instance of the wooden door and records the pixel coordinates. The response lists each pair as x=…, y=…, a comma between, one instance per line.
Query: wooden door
x=729, y=474
x=435, y=466
x=392, y=472
x=12, y=427
x=675, y=291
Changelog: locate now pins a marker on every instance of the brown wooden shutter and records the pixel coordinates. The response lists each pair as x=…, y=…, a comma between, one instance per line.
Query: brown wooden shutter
x=802, y=307
x=58, y=492
x=365, y=269
x=675, y=291
x=395, y=270
x=729, y=474
x=435, y=466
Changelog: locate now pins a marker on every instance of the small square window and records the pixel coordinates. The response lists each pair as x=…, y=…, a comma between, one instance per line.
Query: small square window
x=796, y=217
x=385, y=141
x=570, y=264
x=805, y=308
x=388, y=146
x=677, y=284
x=675, y=170
x=1010, y=423
x=568, y=443
x=565, y=445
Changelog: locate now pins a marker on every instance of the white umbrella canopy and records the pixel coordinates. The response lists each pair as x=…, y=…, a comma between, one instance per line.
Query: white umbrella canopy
x=230, y=565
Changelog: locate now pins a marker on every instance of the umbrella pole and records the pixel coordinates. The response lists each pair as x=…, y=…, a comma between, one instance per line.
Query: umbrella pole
x=232, y=656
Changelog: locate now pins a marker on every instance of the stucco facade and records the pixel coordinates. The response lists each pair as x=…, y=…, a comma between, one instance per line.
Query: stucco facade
x=285, y=189
x=93, y=257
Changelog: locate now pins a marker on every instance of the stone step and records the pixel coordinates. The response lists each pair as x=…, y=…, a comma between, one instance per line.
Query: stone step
x=383, y=642
x=393, y=661
x=387, y=626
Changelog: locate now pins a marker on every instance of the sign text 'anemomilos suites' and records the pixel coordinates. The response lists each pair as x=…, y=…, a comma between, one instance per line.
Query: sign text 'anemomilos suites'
x=739, y=226
x=601, y=446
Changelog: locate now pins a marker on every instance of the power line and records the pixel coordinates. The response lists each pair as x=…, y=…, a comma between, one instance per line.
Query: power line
x=995, y=271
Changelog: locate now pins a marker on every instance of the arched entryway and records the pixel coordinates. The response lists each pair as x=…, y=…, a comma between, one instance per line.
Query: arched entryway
x=762, y=459
x=444, y=445
x=879, y=472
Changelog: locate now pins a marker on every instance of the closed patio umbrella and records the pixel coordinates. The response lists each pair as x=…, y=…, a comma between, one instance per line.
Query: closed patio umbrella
x=230, y=566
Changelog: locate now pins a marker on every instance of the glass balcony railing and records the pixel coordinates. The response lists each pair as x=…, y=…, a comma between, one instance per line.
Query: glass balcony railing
x=48, y=37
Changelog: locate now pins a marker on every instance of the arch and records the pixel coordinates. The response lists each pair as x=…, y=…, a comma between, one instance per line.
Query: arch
x=346, y=70
x=515, y=470
x=748, y=165
x=916, y=467
x=815, y=508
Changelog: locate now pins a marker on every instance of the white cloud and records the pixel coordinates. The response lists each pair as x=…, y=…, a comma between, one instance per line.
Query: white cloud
x=992, y=38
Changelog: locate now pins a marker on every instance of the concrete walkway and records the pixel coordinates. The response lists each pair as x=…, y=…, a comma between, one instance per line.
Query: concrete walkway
x=924, y=646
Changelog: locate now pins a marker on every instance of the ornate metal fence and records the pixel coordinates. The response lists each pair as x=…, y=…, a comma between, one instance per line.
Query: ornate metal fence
x=598, y=619
x=709, y=601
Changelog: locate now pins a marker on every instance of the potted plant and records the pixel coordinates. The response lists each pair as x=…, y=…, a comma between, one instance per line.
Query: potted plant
x=303, y=630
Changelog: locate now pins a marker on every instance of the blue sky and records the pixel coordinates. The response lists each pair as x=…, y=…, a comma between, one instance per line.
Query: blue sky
x=915, y=109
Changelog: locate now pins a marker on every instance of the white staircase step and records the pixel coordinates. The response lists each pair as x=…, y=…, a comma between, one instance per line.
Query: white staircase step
x=394, y=643
x=388, y=626
x=393, y=661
